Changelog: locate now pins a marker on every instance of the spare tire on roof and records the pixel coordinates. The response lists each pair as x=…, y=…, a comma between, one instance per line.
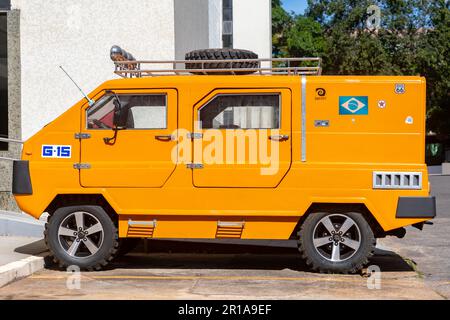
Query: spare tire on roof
x=222, y=54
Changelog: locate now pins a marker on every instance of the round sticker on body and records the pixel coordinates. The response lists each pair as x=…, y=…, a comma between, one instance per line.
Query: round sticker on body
x=382, y=104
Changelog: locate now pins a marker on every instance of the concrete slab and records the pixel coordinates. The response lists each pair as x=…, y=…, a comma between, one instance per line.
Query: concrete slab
x=242, y=276
x=16, y=248
x=20, y=257
x=20, y=225
x=430, y=248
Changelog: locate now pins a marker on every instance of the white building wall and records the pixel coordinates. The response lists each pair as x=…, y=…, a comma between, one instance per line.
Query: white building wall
x=198, y=25
x=215, y=23
x=252, y=26
x=191, y=26
x=78, y=35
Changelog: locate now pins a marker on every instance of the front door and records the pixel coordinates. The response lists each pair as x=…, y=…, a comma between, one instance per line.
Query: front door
x=242, y=138
x=140, y=156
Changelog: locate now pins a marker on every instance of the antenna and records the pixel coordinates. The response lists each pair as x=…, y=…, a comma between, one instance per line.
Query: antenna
x=91, y=102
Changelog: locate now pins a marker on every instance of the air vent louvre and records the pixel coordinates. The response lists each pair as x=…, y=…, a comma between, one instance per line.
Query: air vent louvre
x=229, y=230
x=397, y=180
x=141, y=229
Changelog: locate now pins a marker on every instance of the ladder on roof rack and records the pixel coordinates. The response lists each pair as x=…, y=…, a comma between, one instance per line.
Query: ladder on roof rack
x=127, y=67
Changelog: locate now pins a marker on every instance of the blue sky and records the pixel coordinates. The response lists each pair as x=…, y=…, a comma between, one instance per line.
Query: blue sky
x=298, y=6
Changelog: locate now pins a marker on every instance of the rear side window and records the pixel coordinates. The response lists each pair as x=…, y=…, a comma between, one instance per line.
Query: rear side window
x=246, y=111
x=138, y=112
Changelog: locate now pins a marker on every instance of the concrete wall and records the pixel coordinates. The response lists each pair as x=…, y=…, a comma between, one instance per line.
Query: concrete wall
x=252, y=26
x=44, y=34
x=198, y=25
x=78, y=35
x=14, y=117
x=215, y=23
x=191, y=26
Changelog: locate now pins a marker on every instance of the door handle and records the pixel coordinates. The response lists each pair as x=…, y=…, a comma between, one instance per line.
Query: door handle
x=282, y=137
x=164, y=138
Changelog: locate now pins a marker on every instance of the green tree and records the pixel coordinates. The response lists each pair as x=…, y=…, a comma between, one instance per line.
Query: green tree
x=413, y=39
x=295, y=35
x=305, y=38
x=281, y=23
x=433, y=63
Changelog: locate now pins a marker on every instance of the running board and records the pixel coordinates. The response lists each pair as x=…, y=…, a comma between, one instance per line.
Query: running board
x=141, y=229
x=229, y=230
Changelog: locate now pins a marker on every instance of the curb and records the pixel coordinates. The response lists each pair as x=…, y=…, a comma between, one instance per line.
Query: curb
x=20, y=269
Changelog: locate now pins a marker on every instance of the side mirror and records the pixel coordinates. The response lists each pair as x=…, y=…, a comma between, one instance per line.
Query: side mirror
x=119, y=121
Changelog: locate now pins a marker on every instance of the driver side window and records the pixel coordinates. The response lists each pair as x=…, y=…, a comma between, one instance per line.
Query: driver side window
x=138, y=112
x=101, y=114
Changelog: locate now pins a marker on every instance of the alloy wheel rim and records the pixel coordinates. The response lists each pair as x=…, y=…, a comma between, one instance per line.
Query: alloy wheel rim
x=336, y=237
x=80, y=234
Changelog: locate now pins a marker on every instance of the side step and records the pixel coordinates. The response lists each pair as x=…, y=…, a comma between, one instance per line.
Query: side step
x=141, y=229
x=229, y=230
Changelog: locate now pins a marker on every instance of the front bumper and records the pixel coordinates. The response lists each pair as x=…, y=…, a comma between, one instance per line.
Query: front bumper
x=21, y=183
x=416, y=207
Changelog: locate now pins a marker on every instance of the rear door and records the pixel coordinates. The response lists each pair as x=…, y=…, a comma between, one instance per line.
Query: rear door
x=140, y=156
x=242, y=138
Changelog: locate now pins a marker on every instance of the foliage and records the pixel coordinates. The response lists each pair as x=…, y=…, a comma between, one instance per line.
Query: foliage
x=413, y=39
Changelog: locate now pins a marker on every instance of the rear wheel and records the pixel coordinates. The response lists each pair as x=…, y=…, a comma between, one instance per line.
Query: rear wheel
x=335, y=242
x=84, y=236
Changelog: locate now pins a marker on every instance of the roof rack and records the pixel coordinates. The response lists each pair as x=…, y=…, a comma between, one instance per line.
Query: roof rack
x=127, y=67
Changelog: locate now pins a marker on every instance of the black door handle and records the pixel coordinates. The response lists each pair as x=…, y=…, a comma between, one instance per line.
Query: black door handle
x=283, y=137
x=164, y=138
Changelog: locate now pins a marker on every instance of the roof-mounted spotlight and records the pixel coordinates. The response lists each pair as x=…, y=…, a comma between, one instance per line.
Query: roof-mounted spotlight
x=121, y=59
x=118, y=54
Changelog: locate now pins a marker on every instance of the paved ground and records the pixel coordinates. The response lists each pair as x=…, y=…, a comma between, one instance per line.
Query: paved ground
x=16, y=248
x=430, y=248
x=222, y=276
x=416, y=267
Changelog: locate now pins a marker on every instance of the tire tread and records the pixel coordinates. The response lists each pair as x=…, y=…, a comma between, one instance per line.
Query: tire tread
x=98, y=265
x=222, y=54
x=319, y=267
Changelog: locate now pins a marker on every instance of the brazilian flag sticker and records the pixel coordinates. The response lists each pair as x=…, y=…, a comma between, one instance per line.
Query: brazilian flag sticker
x=358, y=106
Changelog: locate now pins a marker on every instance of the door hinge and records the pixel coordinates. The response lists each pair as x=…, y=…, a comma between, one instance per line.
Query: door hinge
x=81, y=136
x=194, y=166
x=193, y=136
x=81, y=166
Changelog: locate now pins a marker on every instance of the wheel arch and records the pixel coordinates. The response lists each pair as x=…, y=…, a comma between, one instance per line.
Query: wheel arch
x=341, y=208
x=66, y=200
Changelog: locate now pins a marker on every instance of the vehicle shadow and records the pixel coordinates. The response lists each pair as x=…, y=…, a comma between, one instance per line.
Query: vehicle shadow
x=220, y=254
x=256, y=255
x=36, y=248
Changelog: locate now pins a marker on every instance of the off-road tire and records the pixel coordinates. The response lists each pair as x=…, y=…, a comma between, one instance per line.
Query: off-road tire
x=106, y=252
x=318, y=263
x=222, y=54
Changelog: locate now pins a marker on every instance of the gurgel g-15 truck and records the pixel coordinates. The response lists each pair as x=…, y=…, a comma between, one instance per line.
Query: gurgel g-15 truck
x=224, y=145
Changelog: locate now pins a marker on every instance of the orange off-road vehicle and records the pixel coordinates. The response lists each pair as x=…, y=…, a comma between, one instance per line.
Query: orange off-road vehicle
x=225, y=145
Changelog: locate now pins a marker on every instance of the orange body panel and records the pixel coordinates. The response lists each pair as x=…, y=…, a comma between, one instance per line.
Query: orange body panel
x=140, y=180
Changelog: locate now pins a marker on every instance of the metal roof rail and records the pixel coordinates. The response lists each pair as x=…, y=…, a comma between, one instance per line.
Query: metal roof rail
x=126, y=66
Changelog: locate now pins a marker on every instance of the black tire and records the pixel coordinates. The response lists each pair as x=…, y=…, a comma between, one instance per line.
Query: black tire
x=318, y=259
x=126, y=245
x=222, y=54
x=59, y=245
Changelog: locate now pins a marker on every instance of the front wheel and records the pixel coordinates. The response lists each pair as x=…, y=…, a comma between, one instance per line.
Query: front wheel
x=335, y=242
x=82, y=236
